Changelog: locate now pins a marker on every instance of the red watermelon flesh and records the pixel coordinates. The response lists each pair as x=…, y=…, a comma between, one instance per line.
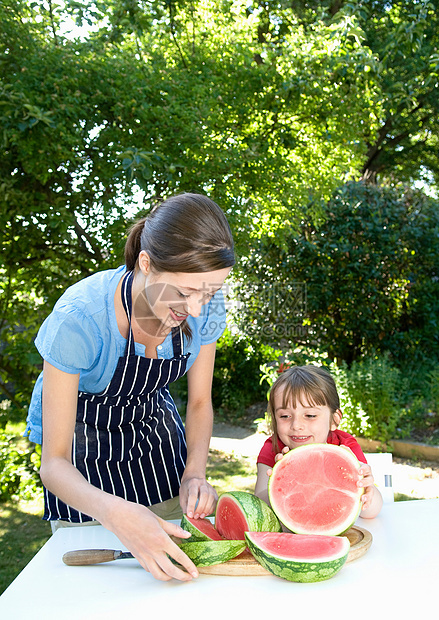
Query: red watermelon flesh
x=238, y=512
x=305, y=548
x=231, y=521
x=313, y=489
x=201, y=528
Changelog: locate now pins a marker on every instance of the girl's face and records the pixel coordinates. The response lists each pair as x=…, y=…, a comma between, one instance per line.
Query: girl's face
x=172, y=297
x=304, y=424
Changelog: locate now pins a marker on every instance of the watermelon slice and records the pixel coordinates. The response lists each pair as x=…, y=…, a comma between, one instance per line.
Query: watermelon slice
x=238, y=512
x=200, y=529
x=313, y=489
x=299, y=558
x=210, y=552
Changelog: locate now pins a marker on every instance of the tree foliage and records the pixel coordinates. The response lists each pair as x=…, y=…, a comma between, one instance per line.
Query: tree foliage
x=266, y=106
x=364, y=281
x=161, y=97
x=401, y=136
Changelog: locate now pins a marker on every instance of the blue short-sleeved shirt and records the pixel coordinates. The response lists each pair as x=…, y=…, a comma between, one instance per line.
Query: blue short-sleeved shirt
x=81, y=336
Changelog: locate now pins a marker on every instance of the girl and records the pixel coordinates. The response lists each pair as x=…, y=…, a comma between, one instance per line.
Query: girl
x=114, y=448
x=304, y=407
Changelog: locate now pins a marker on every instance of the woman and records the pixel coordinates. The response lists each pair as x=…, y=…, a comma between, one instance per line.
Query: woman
x=113, y=443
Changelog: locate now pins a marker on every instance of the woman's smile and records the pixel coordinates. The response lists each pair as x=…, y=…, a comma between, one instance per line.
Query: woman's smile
x=177, y=315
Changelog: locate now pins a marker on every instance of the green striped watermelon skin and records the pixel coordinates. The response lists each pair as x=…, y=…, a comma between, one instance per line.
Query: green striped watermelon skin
x=210, y=552
x=239, y=511
x=200, y=529
x=298, y=571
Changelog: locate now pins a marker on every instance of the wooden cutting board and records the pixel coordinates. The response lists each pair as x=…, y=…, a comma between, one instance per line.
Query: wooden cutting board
x=245, y=564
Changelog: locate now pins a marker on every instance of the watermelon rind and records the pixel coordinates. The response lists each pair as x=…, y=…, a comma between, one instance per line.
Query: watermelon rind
x=299, y=570
x=210, y=552
x=197, y=533
x=259, y=516
x=299, y=526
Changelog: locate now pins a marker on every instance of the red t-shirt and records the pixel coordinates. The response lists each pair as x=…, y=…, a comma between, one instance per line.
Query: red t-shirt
x=336, y=438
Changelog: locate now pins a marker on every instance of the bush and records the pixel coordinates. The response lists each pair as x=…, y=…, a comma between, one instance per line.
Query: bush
x=364, y=281
x=236, y=377
x=377, y=399
x=370, y=394
x=18, y=468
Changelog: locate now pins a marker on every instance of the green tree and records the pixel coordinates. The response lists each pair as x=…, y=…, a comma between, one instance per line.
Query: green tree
x=157, y=98
x=56, y=213
x=401, y=135
x=364, y=281
x=405, y=39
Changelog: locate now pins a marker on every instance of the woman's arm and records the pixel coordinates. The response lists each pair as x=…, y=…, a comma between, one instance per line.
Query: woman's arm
x=143, y=533
x=199, y=421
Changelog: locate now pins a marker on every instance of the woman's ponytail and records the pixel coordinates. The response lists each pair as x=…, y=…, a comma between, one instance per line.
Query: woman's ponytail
x=133, y=245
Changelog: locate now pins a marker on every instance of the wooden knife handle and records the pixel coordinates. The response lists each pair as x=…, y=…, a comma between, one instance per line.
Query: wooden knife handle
x=84, y=557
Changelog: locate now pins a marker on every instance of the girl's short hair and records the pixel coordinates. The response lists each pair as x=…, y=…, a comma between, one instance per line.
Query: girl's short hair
x=311, y=382
x=187, y=233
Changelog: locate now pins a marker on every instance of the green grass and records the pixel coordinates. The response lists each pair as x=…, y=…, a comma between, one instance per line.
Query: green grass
x=22, y=534
x=401, y=497
x=227, y=472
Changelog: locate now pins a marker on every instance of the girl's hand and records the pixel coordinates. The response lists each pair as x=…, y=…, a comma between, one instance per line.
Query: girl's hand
x=279, y=455
x=367, y=482
x=277, y=458
x=148, y=538
x=195, y=489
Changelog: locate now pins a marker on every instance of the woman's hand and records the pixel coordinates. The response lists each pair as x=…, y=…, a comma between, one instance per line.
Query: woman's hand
x=193, y=490
x=148, y=538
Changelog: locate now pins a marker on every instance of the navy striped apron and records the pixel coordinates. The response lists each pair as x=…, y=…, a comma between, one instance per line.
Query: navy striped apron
x=129, y=440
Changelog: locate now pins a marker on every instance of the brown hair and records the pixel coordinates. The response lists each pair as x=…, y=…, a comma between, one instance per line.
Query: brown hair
x=312, y=382
x=187, y=233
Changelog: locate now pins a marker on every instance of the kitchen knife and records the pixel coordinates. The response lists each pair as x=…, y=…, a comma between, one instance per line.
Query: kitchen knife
x=84, y=557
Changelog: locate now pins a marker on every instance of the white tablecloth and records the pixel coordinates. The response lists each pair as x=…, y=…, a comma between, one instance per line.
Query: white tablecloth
x=398, y=578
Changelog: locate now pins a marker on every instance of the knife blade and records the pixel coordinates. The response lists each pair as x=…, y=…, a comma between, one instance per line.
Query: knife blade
x=85, y=557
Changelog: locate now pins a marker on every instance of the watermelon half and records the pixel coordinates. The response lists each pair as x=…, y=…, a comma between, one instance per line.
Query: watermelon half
x=210, y=552
x=299, y=558
x=200, y=529
x=238, y=512
x=313, y=489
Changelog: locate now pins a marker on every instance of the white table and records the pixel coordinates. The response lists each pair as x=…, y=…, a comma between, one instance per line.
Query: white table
x=398, y=578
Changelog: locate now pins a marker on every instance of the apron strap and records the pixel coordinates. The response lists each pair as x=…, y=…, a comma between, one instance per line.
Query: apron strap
x=125, y=294
x=177, y=341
